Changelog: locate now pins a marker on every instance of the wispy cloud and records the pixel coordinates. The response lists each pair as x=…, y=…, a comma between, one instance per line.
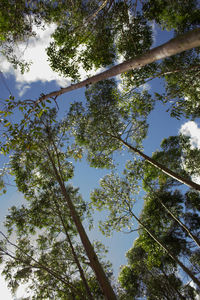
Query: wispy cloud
x=40, y=70
x=191, y=129
x=23, y=88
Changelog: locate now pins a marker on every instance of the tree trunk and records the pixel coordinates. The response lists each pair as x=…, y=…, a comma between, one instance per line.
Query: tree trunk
x=195, y=239
x=185, y=269
x=82, y=275
x=94, y=262
x=177, y=45
x=161, y=167
x=37, y=265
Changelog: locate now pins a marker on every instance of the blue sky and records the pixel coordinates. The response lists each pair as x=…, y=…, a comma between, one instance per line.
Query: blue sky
x=41, y=79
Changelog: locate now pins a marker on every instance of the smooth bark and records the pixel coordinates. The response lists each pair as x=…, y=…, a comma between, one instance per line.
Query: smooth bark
x=94, y=262
x=82, y=275
x=177, y=45
x=161, y=167
x=185, y=269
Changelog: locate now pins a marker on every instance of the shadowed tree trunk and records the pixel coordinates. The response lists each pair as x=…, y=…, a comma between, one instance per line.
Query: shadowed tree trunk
x=82, y=275
x=94, y=262
x=185, y=269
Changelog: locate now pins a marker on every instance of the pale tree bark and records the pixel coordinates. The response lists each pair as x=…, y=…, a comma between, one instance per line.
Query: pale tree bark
x=177, y=45
x=193, y=237
x=159, y=166
x=94, y=262
x=159, y=242
x=76, y=259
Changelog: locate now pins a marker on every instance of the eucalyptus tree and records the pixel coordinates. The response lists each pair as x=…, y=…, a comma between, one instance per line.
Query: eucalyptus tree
x=152, y=282
x=114, y=31
x=111, y=121
x=48, y=217
x=46, y=265
x=150, y=272
x=181, y=75
x=180, y=155
x=177, y=45
x=179, y=16
x=118, y=195
x=42, y=161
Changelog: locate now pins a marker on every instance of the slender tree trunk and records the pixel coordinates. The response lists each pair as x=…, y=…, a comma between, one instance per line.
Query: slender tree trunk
x=94, y=262
x=74, y=254
x=185, y=269
x=37, y=265
x=195, y=239
x=177, y=45
x=159, y=166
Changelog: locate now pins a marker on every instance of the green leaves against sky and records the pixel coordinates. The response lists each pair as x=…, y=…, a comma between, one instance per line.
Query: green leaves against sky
x=46, y=245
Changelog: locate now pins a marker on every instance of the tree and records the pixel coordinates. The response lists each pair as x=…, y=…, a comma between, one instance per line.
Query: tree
x=181, y=43
x=111, y=121
x=180, y=16
x=181, y=87
x=178, y=152
x=156, y=282
x=107, y=30
x=39, y=147
x=116, y=196
x=116, y=30
x=49, y=268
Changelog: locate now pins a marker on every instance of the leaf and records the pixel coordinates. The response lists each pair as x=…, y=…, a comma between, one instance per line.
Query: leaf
x=40, y=113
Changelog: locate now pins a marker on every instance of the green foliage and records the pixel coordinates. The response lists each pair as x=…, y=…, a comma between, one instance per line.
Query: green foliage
x=182, y=86
x=115, y=195
x=173, y=15
x=150, y=272
x=178, y=155
x=107, y=119
x=89, y=37
x=94, y=40
x=43, y=257
x=18, y=20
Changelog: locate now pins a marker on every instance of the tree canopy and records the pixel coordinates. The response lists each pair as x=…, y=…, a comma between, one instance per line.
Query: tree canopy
x=46, y=245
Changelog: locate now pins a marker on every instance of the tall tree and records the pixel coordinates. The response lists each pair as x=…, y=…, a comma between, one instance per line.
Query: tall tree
x=118, y=121
x=179, y=16
x=179, y=44
x=40, y=146
x=116, y=195
x=99, y=39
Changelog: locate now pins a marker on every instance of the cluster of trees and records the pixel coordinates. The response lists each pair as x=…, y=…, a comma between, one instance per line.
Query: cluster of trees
x=52, y=253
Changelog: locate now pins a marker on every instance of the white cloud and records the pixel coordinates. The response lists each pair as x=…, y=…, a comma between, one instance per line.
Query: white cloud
x=22, y=88
x=40, y=69
x=191, y=129
x=5, y=293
